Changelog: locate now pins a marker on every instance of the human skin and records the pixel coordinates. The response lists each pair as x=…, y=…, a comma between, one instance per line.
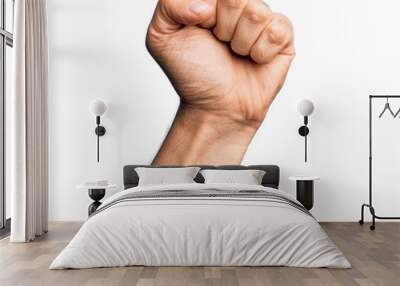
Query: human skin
x=227, y=60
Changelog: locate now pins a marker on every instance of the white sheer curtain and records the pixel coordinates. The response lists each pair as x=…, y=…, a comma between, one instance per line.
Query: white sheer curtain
x=28, y=159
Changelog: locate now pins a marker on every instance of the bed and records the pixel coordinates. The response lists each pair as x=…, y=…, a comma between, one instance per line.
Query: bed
x=198, y=224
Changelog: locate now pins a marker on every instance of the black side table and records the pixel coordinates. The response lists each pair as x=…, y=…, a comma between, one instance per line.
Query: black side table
x=96, y=193
x=305, y=190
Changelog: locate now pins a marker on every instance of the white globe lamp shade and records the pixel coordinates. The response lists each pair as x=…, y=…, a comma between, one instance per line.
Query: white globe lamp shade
x=305, y=107
x=97, y=107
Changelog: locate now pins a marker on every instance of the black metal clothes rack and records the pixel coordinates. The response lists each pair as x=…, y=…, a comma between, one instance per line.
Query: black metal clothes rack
x=370, y=204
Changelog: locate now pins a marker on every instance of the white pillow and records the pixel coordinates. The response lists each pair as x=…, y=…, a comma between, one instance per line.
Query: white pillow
x=166, y=176
x=247, y=177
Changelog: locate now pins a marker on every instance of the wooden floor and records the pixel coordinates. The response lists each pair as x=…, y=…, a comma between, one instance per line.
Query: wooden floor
x=375, y=257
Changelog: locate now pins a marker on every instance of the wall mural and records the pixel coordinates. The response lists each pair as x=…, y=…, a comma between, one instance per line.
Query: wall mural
x=227, y=61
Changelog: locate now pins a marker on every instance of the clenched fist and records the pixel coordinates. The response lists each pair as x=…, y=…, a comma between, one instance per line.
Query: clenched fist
x=227, y=60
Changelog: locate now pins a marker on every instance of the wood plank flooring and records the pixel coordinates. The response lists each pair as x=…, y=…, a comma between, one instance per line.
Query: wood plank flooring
x=375, y=257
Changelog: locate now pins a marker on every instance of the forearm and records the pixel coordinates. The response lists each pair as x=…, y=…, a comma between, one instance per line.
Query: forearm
x=201, y=137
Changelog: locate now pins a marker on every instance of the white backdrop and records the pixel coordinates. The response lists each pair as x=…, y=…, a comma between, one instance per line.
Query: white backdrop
x=345, y=51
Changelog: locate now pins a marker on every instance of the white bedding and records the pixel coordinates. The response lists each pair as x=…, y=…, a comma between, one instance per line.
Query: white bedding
x=202, y=231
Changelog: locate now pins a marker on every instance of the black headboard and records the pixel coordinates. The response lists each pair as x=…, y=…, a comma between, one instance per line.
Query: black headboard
x=271, y=177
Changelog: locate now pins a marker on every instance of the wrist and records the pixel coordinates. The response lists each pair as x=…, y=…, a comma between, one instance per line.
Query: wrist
x=200, y=136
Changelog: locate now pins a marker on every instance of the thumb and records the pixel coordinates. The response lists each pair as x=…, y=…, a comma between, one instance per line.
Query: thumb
x=171, y=15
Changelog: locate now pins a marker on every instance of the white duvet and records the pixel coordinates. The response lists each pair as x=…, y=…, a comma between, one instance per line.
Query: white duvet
x=200, y=231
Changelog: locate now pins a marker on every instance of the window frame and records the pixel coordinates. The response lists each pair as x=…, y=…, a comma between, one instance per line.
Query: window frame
x=6, y=39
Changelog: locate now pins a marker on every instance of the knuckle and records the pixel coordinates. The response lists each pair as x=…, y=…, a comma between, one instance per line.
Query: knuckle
x=279, y=30
x=234, y=3
x=284, y=20
x=256, y=13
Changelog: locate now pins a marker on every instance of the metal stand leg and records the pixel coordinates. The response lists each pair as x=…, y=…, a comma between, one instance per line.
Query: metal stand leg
x=374, y=216
x=361, y=221
x=372, y=210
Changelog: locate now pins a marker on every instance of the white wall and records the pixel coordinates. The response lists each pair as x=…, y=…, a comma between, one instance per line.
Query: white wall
x=346, y=51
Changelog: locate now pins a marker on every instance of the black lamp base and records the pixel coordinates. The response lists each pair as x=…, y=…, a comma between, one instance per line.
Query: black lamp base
x=304, y=131
x=100, y=130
